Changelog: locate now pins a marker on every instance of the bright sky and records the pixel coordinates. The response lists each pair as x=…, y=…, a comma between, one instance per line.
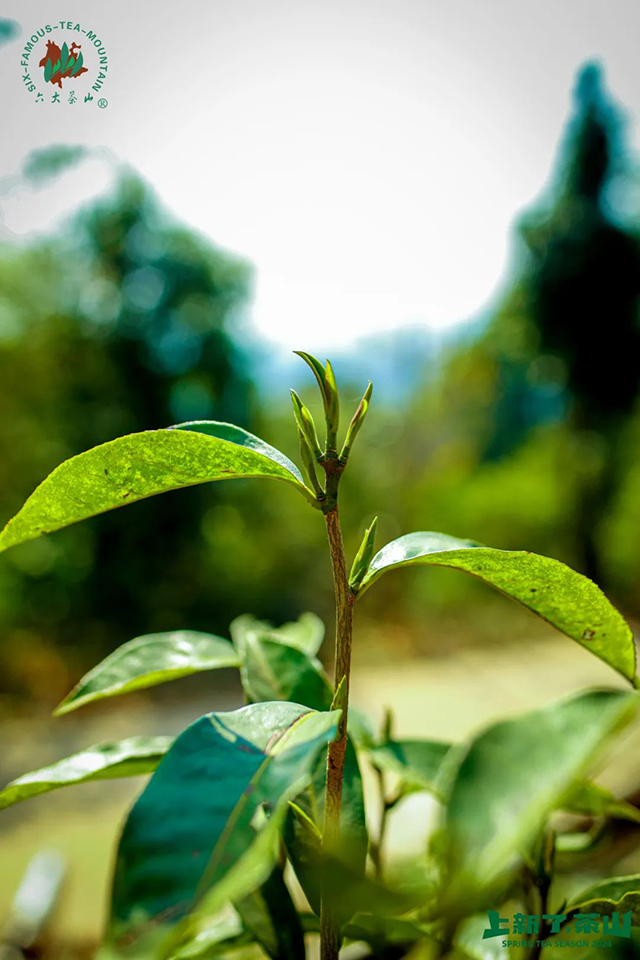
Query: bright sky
x=368, y=156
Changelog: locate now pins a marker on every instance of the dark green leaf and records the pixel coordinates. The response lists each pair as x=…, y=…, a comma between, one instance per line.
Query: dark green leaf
x=48, y=70
x=562, y=597
x=275, y=671
x=416, y=762
x=303, y=844
x=125, y=758
x=148, y=661
x=78, y=65
x=513, y=775
x=270, y=915
x=64, y=54
x=195, y=835
x=141, y=465
x=306, y=633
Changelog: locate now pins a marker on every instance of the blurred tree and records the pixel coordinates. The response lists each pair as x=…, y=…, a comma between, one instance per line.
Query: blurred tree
x=123, y=323
x=574, y=312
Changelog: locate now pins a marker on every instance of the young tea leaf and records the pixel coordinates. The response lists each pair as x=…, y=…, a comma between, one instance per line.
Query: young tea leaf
x=125, y=758
x=141, y=465
x=306, y=633
x=565, y=599
x=277, y=671
x=148, y=661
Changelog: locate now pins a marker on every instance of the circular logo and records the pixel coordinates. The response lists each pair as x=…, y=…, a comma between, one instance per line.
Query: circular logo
x=65, y=62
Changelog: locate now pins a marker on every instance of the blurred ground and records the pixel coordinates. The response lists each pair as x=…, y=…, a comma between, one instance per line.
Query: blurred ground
x=443, y=699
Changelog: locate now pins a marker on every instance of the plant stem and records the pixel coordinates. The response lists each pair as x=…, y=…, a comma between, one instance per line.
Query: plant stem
x=329, y=927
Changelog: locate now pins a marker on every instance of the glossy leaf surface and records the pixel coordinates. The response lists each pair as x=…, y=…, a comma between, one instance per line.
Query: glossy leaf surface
x=141, y=465
x=306, y=633
x=196, y=820
x=276, y=671
x=126, y=758
x=565, y=599
x=148, y=661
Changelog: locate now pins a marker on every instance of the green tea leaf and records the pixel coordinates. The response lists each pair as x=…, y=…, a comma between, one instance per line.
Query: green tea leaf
x=141, y=465
x=270, y=915
x=194, y=834
x=565, y=599
x=592, y=800
x=417, y=763
x=276, y=671
x=215, y=937
x=306, y=633
x=302, y=843
x=125, y=758
x=64, y=54
x=148, y=661
x=617, y=894
x=513, y=775
x=56, y=68
x=78, y=65
x=380, y=932
x=48, y=69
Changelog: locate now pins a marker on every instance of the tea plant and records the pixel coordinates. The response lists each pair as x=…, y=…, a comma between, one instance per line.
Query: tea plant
x=242, y=800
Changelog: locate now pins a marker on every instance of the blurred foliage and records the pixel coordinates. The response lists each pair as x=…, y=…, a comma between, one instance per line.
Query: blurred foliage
x=119, y=324
x=522, y=433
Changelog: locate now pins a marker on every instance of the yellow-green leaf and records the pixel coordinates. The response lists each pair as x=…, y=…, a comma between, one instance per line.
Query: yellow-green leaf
x=565, y=599
x=126, y=758
x=141, y=465
x=148, y=661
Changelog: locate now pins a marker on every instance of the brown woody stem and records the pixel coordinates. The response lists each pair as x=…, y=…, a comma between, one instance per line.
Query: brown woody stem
x=329, y=926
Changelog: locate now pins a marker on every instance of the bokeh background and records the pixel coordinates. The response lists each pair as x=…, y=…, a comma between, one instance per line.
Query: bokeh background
x=445, y=198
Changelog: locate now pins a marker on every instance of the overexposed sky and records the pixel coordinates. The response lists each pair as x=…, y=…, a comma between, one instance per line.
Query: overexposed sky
x=368, y=156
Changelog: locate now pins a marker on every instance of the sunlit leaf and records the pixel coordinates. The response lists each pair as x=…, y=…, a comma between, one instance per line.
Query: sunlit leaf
x=141, y=465
x=124, y=758
x=617, y=894
x=306, y=633
x=555, y=592
x=513, y=775
x=276, y=671
x=592, y=800
x=215, y=937
x=195, y=834
x=148, y=661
